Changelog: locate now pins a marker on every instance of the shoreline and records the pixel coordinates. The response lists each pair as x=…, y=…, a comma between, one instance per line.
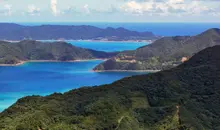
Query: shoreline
x=17, y=64
x=83, y=60
x=29, y=61
x=130, y=41
x=124, y=41
x=98, y=71
x=152, y=71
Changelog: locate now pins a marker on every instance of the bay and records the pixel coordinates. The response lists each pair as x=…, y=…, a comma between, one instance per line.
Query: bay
x=44, y=78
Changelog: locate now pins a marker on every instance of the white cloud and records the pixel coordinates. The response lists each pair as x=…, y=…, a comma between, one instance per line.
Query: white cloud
x=176, y=1
x=137, y=8
x=196, y=8
x=170, y=7
x=71, y=10
x=33, y=10
x=54, y=7
x=7, y=8
x=86, y=9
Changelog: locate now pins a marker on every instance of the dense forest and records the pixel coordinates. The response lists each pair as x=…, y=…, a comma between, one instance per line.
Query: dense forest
x=186, y=97
x=10, y=31
x=164, y=53
x=12, y=53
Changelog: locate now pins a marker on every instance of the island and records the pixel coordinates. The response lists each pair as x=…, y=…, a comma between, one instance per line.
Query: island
x=182, y=98
x=162, y=54
x=16, y=53
x=16, y=32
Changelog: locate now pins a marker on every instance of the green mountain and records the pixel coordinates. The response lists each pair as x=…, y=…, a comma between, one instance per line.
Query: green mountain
x=186, y=97
x=12, y=53
x=164, y=53
x=11, y=31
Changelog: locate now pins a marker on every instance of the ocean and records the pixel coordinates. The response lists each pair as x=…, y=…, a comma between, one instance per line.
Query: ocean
x=44, y=78
x=105, y=45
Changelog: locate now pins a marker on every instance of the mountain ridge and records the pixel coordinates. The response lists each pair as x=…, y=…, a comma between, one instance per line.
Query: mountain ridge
x=11, y=31
x=162, y=54
x=14, y=53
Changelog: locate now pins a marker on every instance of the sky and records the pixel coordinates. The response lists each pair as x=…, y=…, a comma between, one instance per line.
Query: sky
x=109, y=10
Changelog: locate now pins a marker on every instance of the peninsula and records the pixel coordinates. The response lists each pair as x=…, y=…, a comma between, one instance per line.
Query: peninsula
x=164, y=53
x=30, y=50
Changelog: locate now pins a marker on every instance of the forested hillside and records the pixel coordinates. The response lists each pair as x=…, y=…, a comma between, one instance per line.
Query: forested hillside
x=12, y=53
x=186, y=97
x=10, y=31
x=164, y=53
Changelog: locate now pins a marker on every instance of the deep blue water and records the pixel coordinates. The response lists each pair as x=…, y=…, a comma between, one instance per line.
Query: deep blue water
x=107, y=46
x=162, y=29
x=44, y=78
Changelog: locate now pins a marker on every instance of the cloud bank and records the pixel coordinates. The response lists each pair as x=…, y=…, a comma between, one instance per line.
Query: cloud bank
x=112, y=10
x=170, y=7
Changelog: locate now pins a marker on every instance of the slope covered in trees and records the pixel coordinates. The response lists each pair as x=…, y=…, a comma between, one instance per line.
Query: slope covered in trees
x=186, y=97
x=12, y=53
x=49, y=32
x=164, y=53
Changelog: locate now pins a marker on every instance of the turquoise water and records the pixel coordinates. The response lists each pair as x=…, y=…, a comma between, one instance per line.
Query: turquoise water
x=106, y=46
x=43, y=78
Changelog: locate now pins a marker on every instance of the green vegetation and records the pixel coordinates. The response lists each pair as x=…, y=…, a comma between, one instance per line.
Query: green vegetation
x=11, y=31
x=164, y=53
x=12, y=53
x=183, y=98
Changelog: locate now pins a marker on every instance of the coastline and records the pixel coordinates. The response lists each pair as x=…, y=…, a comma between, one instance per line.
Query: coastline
x=129, y=41
x=107, y=41
x=23, y=62
x=17, y=64
x=150, y=71
x=84, y=60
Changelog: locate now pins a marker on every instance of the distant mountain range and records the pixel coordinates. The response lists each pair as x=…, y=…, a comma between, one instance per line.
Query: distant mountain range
x=183, y=98
x=13, y=53
x=164, y=53
x=55, y=32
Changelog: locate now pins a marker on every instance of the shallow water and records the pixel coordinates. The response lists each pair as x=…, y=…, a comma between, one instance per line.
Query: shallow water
x=105, y=45
x=43, y=78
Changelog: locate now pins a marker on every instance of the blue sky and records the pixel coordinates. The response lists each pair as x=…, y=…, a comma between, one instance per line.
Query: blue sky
x=109, y=10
